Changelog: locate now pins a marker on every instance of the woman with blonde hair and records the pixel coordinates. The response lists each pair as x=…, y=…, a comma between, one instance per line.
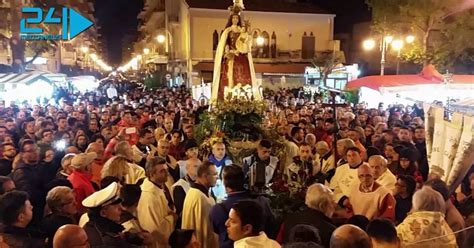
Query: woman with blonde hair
x=116, y=167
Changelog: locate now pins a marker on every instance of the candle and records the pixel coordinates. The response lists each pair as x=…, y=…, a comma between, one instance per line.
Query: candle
x=226, y=92
x=252, y=180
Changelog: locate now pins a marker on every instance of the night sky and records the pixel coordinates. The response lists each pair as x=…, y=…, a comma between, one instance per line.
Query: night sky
x=118, y=17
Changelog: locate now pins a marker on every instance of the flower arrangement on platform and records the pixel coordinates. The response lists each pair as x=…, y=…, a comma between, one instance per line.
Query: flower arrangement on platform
x=238, y=119
x=239, y=122
x=240, y=106
x=286, y=197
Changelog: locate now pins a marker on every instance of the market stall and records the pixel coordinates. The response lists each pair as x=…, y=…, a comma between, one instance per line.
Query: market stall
x=427, y=86
x=31, y=86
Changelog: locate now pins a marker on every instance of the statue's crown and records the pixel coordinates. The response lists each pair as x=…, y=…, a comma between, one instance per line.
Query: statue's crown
x=237, y=8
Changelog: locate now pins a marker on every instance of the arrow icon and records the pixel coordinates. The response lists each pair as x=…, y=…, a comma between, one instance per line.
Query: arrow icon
x=78, y=23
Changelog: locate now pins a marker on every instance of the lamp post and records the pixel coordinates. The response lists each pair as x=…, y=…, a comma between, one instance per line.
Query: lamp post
x=146, y=51
x=385, y=42
x=398, y=45
x=84, y=51
x=94, y=58
x=168, y=39
x=369, y=44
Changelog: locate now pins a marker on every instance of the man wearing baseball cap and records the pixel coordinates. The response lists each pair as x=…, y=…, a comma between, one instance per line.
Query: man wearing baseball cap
x=81, y=177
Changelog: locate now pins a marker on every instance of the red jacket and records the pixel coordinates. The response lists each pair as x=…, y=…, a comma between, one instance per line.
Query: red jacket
x=81, y=183
x=134, y=136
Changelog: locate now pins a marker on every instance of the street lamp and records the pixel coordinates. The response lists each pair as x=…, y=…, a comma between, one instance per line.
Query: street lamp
x=93, y=57
x=260, y=41
x=146, y=51
x=84, y=49
x=387, y=40
x=398, y=45
x=368, y=44
x=165, y=37
x=161, y=38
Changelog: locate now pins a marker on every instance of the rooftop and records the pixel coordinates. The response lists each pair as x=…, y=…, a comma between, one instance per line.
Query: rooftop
x=261, y=5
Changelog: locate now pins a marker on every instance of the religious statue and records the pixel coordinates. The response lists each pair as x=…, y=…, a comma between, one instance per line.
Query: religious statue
x=233, y=64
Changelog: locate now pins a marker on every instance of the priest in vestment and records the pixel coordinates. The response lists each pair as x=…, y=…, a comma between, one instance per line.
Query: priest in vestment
x=346, y=176
x=198, y=204
x=382, y=174
x=369, y=198
x=155, y=210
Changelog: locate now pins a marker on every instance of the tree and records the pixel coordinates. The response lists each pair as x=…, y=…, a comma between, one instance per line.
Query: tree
x=326, y=62
x=443, y=29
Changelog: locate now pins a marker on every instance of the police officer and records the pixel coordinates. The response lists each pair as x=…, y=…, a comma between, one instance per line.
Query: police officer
x=104, y=210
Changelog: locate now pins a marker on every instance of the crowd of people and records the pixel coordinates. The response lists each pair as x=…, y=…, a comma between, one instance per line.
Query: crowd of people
x=126, y=171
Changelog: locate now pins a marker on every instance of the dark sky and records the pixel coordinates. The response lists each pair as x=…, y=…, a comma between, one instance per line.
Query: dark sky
x=347, y=12
x=117, y=17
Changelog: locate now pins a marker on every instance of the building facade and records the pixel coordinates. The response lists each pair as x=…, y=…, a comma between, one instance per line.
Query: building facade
x=293, y=33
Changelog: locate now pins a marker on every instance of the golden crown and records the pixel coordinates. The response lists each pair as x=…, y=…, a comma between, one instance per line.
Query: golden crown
x=237, y=7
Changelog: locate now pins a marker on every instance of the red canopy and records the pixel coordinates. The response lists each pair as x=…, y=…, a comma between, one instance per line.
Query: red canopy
x=429, y=75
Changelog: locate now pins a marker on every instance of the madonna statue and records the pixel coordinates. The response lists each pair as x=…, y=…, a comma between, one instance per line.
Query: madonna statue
x=233, y=64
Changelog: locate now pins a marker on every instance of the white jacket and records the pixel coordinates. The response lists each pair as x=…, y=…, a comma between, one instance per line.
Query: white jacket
x=152, y=213
x=260, y=241
x=135, y=173
x=342, y=181
x=196, y=210
x=388, y=180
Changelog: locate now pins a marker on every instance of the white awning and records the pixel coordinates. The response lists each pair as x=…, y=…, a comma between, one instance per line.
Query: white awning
x=23, y=78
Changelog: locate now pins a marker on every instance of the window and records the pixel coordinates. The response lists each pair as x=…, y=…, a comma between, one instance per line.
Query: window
x=215, y=40
x=307, y=46
x=266, y=45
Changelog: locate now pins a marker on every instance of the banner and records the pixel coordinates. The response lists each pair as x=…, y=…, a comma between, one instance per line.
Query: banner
x=464, y=158
x=453, y=131
x=439, y=138
x=429, y=129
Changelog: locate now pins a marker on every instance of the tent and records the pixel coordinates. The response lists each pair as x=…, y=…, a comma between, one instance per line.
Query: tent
x=429, y=75
x=427, y=86
x=29, y=86
x=31, y=77
x=464, y=106
x=84, y=83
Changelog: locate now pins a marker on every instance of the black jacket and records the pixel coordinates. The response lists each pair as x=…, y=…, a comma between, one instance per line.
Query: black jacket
x=5, y=167
x=17, y=237
x=309, y=217
x=52, y=222
x=28, y=178
x=103, y=232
